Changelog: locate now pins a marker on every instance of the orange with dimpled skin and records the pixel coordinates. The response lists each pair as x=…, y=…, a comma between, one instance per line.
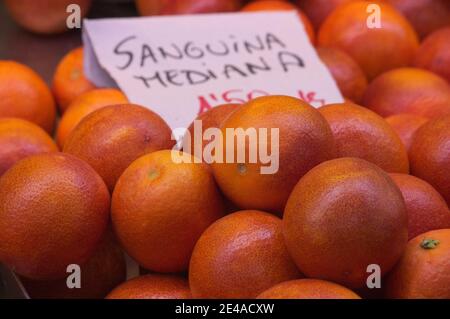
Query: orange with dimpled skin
x=426, y=208
x=424, y=269
x=308, y=289
x=344, y=215
x=84, y=105
x=358, y=132
x=152, y=286
x=430, y=155
x=240, y=256
x=160, y=207
x=119, y=132
x=54, y=210
x=304, y=140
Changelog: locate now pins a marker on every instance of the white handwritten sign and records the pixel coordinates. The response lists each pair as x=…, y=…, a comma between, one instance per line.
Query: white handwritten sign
x=180, y=66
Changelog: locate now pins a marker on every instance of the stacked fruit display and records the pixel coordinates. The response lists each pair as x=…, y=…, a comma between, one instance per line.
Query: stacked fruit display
x=362, y=188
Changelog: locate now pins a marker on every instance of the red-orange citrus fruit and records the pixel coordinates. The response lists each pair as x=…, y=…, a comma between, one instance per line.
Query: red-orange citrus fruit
x=349, y=77
x=359, y=132
x=434, y=53
x=105, y=270
x=83, y=105
x=308, y=289
x=304, y=140
x=24, y=94
x=212, y=118
x=160, y=207
x=240, y=256
x=430, y=155
x=274, y=5
x=318, y=10
x=344, y=215
x=376, y=48
x=54, y=209
x=152, y=287
x=408, y=90
x=423, y=271
x=69, y=80
x=169, y=7
x=426, y=208
x=405, y=125
x=44, y=16
x=112, y=137
x=425, y=15
x=20, y=139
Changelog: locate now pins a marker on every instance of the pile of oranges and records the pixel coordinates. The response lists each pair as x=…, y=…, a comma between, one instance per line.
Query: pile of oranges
x=362, y=189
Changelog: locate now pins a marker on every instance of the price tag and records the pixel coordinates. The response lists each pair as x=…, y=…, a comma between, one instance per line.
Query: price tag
x=180, y=66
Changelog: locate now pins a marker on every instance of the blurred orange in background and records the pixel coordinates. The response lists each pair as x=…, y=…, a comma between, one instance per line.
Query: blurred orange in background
x=408, y=90
x=434, y=53
x=24, y=94
x=44, y=16
x=375, y=49
x=164, y=7
x=69, y=80
x=274, y=5
x=425, y=15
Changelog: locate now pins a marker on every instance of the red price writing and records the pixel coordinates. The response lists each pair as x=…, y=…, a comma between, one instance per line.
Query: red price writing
x=238, y=96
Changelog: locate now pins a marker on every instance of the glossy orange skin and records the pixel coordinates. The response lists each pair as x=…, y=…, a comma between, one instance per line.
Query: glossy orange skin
x=305, y=140
x=54, y=211
x=342, y=216
x=408, y=90
x=167, y=7
x=376, y=50
x=152, y=287
x=83, y=105
x=99, y=275
x=422, y=273
x=425, y=15
x=212, y=118
x=160, y=208
x=44, y=16
x=358, y=132
x=318, y=10
x=349, y=77
x=430, y=155
x=122, y=132
x=426, y=208
x=405, y=125
x=274, y=5
x=434, y=53
x=19, y=139
x=240, y=256
x=24, y=94
x=308, y=289
x=69, y=80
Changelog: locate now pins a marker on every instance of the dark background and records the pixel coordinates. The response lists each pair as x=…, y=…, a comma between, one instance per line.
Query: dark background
x=42, y=53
